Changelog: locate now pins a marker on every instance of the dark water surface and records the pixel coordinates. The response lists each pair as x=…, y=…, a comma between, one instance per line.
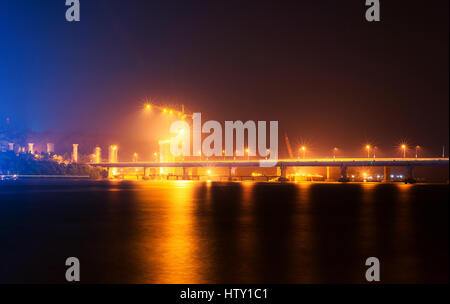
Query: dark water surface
x=194, y=232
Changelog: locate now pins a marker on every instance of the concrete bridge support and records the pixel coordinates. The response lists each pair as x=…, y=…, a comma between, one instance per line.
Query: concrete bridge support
x=328, y=174
x=387, y=174
x=230, y=174
x=283, y=175
x=110, y=172
x=113, y=154
x=146, y=172
x=409, y=178
x=98, y=156
x=343, y=177
x=75, y=153
x=409, y=173
x=185, y=175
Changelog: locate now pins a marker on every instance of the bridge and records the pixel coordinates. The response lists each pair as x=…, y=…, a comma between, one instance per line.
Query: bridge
x=342, y=163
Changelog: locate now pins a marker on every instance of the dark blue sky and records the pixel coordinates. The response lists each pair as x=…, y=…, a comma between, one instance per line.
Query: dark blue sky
x=327, y=75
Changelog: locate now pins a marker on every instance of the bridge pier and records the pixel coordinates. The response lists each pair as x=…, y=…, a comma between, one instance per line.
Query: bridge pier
x=110, y=172
x=387, y=174
x=283, y=175
x=185, y=176
x=230, y=175
x=343, y=177
x=328, y=175
x=409, y=178
x=146, y=172
x=156, y=169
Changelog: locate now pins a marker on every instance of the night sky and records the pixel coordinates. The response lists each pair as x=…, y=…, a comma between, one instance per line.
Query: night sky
x=318, y=67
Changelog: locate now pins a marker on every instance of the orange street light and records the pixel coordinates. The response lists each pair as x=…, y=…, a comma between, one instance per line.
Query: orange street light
x=303, y=149
x=404, y=150
x=334, y=152
x=368, y=151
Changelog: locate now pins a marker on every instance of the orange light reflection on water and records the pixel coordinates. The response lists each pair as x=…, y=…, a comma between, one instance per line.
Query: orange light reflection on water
x=175, y=250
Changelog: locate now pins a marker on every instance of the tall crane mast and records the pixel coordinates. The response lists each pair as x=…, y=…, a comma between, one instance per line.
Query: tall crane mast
x=288, y=145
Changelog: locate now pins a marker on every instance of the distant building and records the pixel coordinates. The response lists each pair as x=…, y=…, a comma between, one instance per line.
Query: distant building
x=50, y=148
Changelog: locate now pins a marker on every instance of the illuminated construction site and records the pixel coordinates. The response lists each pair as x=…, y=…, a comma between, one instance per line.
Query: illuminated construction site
x=236, y=162
x=247, y=166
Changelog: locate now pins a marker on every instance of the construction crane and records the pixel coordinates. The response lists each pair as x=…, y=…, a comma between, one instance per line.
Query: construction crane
x=288, y=145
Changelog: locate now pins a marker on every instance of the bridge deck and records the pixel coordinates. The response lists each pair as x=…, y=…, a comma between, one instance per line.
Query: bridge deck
x=338, y=162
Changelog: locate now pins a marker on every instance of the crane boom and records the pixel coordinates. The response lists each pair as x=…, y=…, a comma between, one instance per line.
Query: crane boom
x=288, y=145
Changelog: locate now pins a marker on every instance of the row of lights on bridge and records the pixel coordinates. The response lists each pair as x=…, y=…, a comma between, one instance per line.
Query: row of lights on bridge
x=301, y=149
x=403, y=147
